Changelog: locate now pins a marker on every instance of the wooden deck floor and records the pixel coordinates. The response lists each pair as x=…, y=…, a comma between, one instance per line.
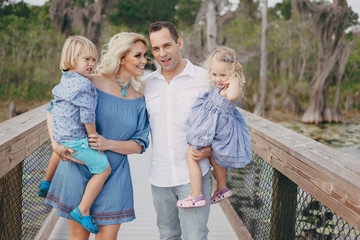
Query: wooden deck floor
x=144, y=226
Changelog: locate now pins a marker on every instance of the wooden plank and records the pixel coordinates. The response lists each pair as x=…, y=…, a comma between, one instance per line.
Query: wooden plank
x=283, y=207
x=237, y=225
x=20, y=136
x=48, y=226
x=330, y=176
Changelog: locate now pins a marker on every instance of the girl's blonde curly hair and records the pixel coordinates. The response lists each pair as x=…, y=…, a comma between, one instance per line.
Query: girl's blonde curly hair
x=117, y=48
x=229, y=56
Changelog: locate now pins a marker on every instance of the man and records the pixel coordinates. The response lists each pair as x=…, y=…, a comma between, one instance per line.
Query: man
x=170, y=93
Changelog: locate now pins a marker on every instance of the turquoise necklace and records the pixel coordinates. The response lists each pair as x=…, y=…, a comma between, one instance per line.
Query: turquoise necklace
x=123, y=88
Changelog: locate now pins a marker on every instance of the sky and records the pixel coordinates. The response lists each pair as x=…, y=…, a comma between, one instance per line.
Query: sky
x=354, y=4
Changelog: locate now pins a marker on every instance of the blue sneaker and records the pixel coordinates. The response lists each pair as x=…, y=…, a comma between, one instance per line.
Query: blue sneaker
x=43, y=189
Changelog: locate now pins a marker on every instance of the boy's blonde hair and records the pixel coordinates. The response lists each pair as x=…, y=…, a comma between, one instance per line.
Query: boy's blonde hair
x=71, y=50
x=229, y=56
x=117, y=48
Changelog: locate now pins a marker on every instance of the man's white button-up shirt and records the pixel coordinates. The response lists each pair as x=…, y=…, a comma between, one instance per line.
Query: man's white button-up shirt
x=169, y=109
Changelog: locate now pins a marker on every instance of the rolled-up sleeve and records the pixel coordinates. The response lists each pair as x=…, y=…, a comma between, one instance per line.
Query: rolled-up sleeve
x=141, y=136
x=50, y=108
x=86, y=100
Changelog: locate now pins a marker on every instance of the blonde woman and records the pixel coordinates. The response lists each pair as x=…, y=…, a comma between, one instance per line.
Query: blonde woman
x=123, y=128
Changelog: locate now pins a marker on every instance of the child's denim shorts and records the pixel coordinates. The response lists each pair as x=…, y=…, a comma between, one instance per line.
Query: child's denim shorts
x=96, y=162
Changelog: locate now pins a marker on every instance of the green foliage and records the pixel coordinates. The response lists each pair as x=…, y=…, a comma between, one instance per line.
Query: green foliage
x=186, y=12
x=244, y=35
x=137, y=15
x=353, y=19
x=281, y=10
x=30, y=51
x=352, y=69
x=19, y=9
x=350, y=84
x=30, y=46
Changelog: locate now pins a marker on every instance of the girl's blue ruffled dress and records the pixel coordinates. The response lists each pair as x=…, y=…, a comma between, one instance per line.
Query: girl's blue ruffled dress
x=215, y=121
x=116, y=119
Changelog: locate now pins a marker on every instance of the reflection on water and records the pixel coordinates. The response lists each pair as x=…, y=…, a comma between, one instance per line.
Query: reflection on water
x=344, y=137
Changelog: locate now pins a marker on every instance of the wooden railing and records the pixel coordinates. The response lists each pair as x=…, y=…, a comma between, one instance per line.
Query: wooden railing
x=330, y=176
x=19, y=137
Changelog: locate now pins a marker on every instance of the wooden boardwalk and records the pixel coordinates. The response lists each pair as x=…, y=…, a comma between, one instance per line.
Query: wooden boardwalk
x=144, y=226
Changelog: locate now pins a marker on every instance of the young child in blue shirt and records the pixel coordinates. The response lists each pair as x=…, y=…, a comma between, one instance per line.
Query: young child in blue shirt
x=73, y=115
x=215, y=121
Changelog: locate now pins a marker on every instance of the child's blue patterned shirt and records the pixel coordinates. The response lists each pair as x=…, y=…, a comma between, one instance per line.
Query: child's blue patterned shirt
x=74, y=104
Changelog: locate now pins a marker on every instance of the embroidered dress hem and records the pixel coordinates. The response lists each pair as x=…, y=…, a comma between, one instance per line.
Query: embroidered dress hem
x=106, y=218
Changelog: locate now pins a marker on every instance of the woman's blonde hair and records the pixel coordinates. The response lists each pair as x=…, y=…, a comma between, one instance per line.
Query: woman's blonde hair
x=72, y=49
x=229, y=56
x=117, y=48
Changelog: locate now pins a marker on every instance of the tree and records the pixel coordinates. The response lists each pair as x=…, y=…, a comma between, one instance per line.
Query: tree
x=282, y=9
x=30, y=50
x=211, y=26
x=138, y=15
x=344, y=57
x=67, y=14
x=212, y=15
x=330, y=22
x=249, y=9
x=260, y=106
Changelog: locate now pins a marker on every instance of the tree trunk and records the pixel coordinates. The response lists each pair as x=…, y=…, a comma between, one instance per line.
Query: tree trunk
x=315, y=109
x=249, y=8
x=260, y=106
x=62, y=15
x=330, y=23
x=336, y=112
x=209, y=14
x=12, y=110
x=67, y=15
x=92, y=18
x=211, y=26
x=326, y=111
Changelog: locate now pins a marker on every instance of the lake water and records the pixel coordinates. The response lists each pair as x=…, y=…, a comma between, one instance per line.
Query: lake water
x=344, y=137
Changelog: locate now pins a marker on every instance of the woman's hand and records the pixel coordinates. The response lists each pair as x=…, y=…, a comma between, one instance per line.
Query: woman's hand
x=64, y=152
x=198, y=155
x=98, y=142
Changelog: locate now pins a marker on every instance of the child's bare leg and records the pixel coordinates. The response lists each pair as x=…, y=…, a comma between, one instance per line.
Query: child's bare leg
x=220, y=173
x=50, y=171
x=195, y=177
x=92, y=191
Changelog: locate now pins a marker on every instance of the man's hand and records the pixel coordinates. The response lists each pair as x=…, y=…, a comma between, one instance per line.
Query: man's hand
x=198, y=155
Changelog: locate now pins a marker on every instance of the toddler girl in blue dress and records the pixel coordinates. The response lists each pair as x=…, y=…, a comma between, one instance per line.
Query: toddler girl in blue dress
x=215, y=121
x=73, y=114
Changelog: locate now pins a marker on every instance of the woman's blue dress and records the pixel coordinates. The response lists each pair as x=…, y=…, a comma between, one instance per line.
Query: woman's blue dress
x=116, y=119
x=215, y=121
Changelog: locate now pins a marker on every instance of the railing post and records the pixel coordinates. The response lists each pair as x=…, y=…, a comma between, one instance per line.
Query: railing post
x=11, y=204
x=283, y=208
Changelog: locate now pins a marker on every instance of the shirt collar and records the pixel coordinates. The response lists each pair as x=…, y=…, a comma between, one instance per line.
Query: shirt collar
x=70, y=73
x=188, y=70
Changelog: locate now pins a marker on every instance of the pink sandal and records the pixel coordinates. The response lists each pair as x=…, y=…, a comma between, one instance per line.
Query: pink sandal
x=191, y=202
x=219, y=196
